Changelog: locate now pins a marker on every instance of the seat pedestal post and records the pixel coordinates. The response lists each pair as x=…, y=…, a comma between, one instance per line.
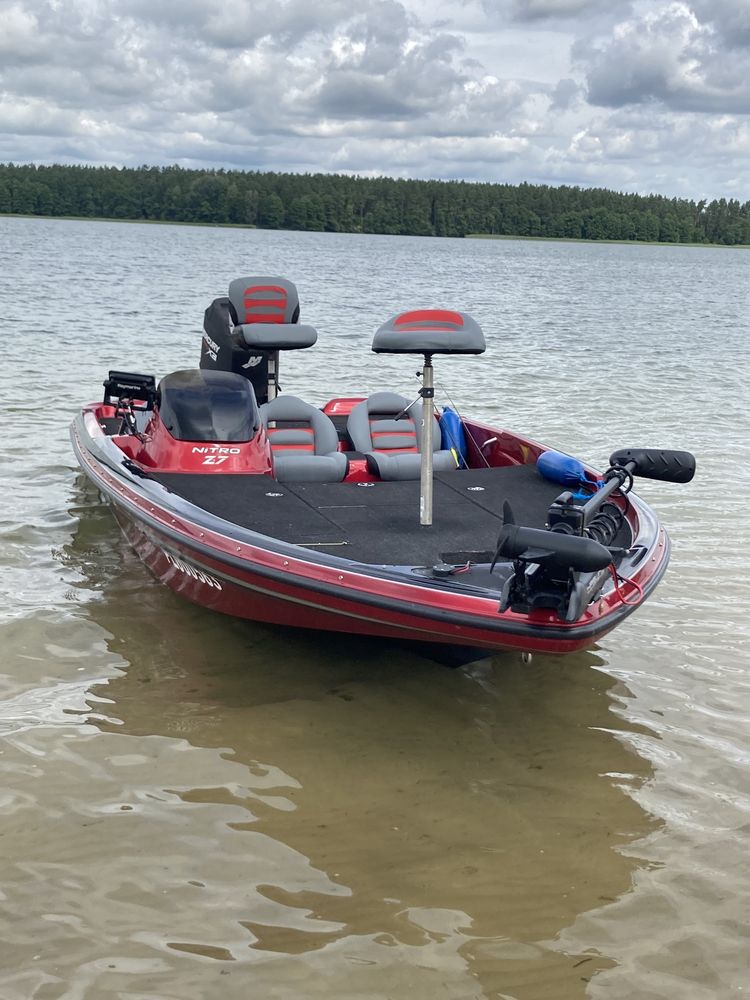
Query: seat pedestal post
x=273, y=376
x=427, y=392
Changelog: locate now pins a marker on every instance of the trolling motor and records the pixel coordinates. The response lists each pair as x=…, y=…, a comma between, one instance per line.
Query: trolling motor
x=548, y=564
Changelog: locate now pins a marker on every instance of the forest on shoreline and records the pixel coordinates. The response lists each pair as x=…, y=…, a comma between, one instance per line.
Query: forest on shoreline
x=342, y=203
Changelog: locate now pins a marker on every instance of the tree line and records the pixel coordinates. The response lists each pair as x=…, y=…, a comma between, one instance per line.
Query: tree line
x=340, y=203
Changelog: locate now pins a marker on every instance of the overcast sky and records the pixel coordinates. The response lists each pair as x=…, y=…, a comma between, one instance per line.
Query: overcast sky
x=642, y=96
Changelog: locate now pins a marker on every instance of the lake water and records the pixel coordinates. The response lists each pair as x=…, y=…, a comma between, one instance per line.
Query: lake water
x=194, y=807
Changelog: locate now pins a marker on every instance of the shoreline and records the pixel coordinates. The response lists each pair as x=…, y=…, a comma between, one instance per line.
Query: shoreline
x=468, y=236
x=132, y=222
x=627, y=243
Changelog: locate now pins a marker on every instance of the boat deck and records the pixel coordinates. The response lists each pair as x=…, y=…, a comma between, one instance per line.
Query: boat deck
x=378, y=523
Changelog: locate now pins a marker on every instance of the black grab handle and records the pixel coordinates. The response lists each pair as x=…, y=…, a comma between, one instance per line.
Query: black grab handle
x=655, y=463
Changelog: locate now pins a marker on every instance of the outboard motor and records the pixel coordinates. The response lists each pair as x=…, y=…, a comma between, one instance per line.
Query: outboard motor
x=244, y=331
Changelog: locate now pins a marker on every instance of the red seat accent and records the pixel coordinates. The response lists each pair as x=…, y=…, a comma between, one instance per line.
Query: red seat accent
x=277, y=304
x=444, y=319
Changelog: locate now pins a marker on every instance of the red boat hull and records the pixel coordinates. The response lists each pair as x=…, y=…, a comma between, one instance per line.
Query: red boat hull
x=266, y=581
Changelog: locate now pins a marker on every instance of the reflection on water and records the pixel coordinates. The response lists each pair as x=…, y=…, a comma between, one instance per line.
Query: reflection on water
x=317, y=817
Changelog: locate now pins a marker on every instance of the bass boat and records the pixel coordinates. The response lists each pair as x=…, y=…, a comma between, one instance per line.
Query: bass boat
x=375, y=515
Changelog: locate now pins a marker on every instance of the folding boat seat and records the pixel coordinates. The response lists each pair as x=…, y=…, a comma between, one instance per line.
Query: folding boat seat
x=304, y=442
x=391, y=438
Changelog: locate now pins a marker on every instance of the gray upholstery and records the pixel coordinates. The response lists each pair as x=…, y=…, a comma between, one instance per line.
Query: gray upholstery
x=267, y=314
x=405, y=466
x=393, y=447
x=264, y=300
x=429, y=331
x=305, y=447
x=277, y=336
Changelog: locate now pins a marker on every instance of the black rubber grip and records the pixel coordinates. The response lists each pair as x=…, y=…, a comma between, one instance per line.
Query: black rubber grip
x=655, y=463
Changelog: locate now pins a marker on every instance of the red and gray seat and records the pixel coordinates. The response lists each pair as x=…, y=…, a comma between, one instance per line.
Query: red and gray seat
x=245, y=331
x=391, y=439
x=304, y=442
x=267, y=311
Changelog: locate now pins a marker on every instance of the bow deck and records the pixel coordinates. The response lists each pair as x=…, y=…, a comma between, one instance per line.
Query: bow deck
x=374, y=523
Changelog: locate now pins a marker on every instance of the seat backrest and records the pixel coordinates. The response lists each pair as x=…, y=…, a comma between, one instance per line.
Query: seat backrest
x=373, y=426
x=298, y=427
x=264, y=300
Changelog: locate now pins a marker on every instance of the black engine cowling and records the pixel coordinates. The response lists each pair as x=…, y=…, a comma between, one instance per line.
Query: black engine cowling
x=222, y=351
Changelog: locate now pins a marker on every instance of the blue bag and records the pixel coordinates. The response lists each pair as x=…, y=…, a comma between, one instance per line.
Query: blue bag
x=567, y=471
x=453, y=437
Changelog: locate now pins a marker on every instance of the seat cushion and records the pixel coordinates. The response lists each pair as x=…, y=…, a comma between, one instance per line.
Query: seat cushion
x=407, y=466
x=393, y=446
x=304, y=442
x=295, y=415
x=297, y=468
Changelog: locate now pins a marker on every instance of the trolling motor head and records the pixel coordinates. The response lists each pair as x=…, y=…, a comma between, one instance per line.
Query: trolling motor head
x=649, y=463
x=583, y=509
x=546, y=568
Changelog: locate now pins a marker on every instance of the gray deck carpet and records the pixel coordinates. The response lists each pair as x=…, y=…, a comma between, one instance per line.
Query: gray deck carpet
x=377, y=524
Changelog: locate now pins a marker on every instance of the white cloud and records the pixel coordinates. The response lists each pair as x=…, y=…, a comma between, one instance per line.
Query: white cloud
x=667, y=55
x=646, y=95
x=19, y=34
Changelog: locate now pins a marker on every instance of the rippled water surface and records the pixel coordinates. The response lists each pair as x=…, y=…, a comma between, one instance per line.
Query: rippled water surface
x=194, y=807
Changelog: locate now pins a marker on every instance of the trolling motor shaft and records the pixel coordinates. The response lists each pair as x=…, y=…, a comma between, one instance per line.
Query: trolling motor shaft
x=598, y=517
